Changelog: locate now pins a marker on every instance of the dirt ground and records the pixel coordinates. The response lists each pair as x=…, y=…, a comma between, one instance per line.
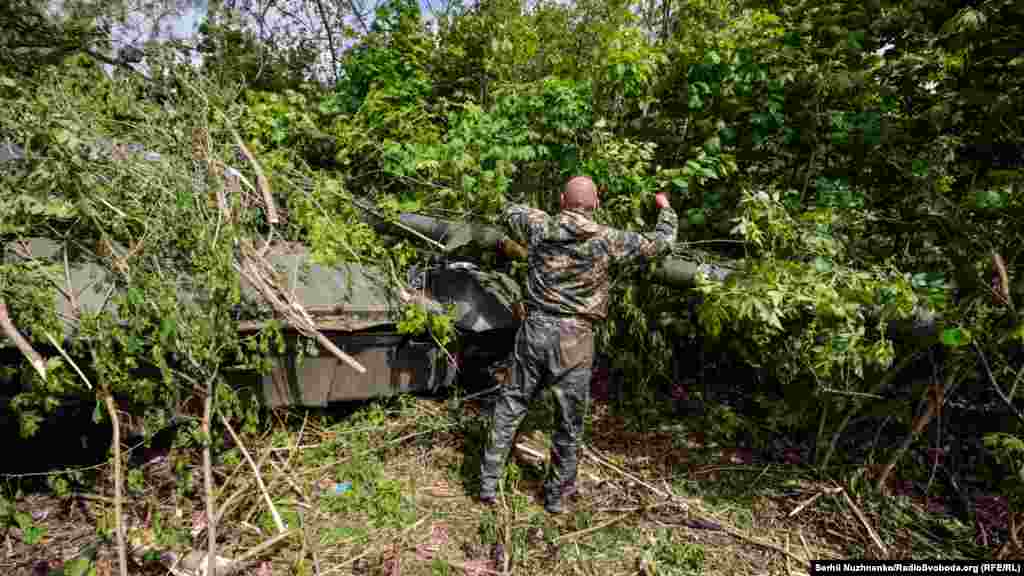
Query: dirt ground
x=389, y=489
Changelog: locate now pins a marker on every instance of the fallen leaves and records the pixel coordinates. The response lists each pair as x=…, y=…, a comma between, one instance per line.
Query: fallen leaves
x=442, y=489
x=198, y=522
x=393, y=563
x=478, y=567
x=432, y=547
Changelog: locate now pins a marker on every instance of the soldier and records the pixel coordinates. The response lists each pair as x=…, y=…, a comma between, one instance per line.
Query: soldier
x=567, y=292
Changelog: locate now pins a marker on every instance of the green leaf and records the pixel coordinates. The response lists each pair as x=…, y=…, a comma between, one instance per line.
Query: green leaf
x=919, y=167
x=77, y=567
x=989, y=200
x=925, y=280
x=822, y=265
x=728, y=135
x=955, y=337
x=167, y=329
x=855, y=40
x=53, y=363
x=696, y=216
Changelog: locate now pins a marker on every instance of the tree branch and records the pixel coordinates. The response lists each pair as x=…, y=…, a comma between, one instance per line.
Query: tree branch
x=11, y=331
x=211, y=513
x=115, y=423
x=330, y=38
x=995, y=385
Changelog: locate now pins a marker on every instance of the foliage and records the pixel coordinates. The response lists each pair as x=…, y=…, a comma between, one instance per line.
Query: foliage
x=678, y=558
x=233, y=55
x=140, y=215
x=1009, y=451
x=859, y=163
x=11, y=516
x=416, y=319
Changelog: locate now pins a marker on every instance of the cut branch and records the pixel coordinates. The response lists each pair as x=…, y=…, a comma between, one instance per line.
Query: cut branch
x=593, y=454
x=261, y=179
x=57, y=345
x=23, y=345
x=211, y=513
x=933, y=400
x=243, y=562
x=287, y=305
x=880, y=386
x=811, y=500
x=995, y=385
x=115, y=424
x=256, y=471
x=864, y=522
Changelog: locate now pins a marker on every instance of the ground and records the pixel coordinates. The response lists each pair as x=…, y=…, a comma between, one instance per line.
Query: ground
x=388, y=488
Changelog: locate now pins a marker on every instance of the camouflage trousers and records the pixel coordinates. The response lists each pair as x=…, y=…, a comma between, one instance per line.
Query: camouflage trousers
x=549, y=351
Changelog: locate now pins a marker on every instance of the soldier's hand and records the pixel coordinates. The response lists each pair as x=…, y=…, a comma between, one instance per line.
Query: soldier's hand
x=661, y=199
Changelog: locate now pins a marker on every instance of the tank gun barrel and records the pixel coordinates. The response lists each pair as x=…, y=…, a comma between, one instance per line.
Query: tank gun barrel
x=670, y=271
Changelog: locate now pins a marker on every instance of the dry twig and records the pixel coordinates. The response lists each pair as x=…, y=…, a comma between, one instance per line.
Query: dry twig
x=807, y=549
x=810, y=500
x=761, y=543
x=23, y=345
x=240, y=562
x=1008, y=401
x=593, y=454
x=60, y=349
x=601, y=526
x=864, y=522
x=289, y=480
x=261, y=179
x=211, y=513
x=370, y=549
x=256, y=471
x=288, y=306
x=472, y=569
x=122, y=549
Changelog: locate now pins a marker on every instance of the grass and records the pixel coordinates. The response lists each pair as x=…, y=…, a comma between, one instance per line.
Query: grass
x=408, y=473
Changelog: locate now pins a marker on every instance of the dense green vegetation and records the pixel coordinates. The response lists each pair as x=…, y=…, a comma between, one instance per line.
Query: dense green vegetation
x=846, y=153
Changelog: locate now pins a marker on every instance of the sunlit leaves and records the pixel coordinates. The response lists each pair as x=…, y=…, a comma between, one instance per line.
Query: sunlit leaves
x=990, y=199
x=934, y=288
x=822, y=303
x=837, y=193
x=955, y=337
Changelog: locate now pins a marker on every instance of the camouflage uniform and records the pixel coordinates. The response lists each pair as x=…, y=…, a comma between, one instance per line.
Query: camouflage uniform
x=567, y=292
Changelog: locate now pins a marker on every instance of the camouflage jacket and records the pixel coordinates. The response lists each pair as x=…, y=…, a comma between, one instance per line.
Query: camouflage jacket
x=570, y=256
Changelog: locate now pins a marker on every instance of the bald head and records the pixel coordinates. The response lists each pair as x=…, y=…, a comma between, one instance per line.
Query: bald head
x=580, y=194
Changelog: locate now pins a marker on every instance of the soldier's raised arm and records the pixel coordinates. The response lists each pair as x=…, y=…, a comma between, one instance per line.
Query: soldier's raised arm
x=626, y=246
x=524, y=223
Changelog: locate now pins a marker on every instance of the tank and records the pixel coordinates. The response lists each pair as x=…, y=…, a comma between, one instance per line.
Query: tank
x=672, y=270
x=359, y=313
x=351, y=305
